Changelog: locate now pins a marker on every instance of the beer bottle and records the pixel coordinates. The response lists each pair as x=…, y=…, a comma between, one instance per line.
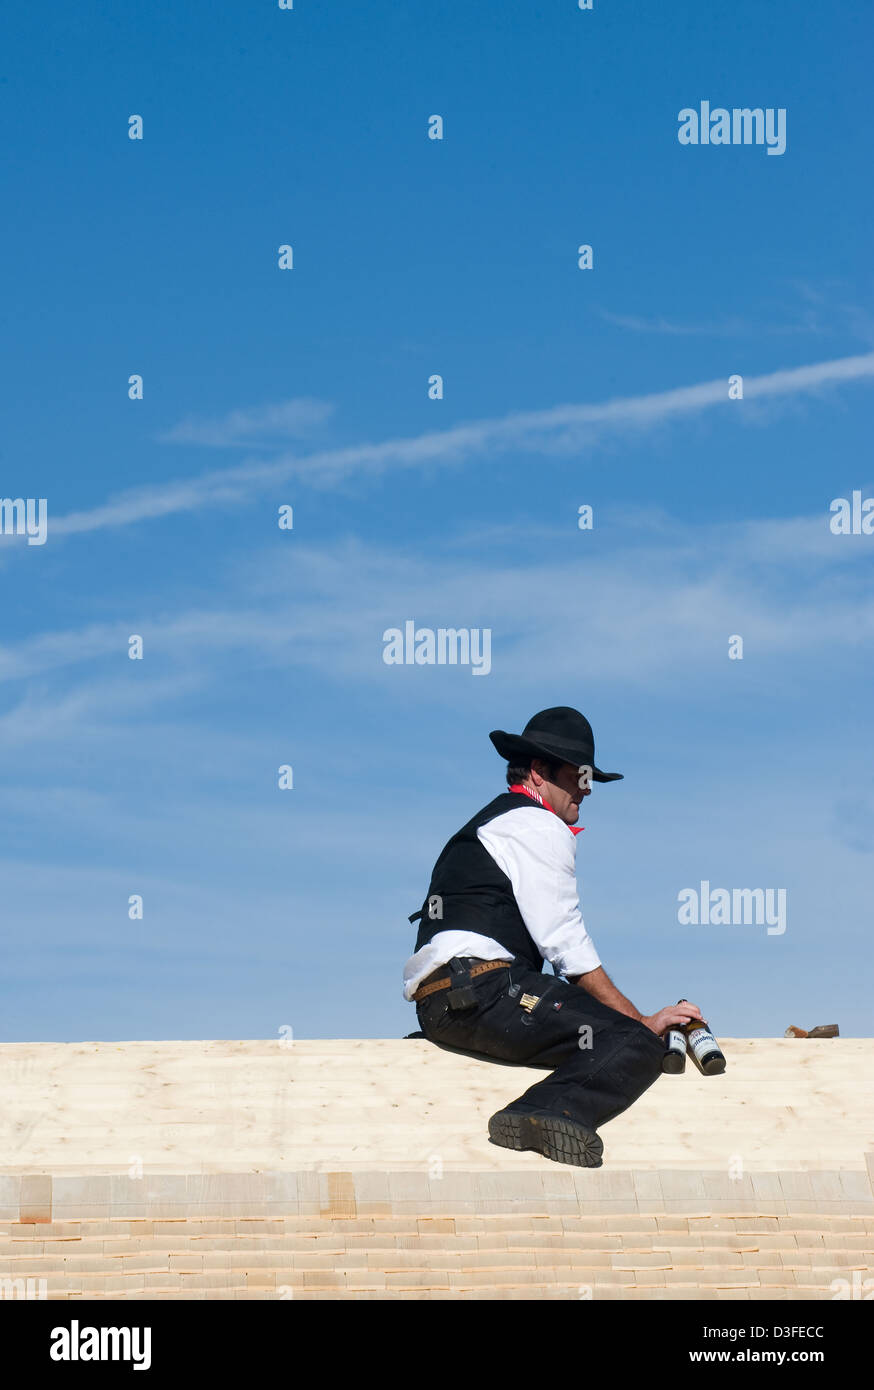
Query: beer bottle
x=674, y=1060
x=703, y=1046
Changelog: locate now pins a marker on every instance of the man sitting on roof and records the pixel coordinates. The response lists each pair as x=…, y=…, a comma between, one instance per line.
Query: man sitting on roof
x=502, y=900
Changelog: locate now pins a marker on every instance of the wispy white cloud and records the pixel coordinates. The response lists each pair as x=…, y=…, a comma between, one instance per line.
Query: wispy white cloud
x=259, y=424
x=635, y=324
x=826, y=308
x=809, y=322
x=52, y=650
x=46, y=714
x=564, y=427
x=661, y=599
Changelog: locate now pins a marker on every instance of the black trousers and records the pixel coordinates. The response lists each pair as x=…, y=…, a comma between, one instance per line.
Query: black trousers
x=603, y=1060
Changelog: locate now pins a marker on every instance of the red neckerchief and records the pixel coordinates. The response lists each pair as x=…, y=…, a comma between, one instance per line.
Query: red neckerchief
x=517, y=787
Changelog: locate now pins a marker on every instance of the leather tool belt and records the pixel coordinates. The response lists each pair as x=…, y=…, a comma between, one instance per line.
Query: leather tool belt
x=446, y=981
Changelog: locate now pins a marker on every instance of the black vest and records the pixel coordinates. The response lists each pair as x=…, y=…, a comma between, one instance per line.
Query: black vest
x=468, y=892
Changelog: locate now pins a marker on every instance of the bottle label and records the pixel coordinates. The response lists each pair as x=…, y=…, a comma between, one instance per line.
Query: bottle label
x=675, y=1041
x=702, y=1041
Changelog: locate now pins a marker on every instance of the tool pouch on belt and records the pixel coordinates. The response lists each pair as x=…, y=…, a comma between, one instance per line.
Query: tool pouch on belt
x=462, y=995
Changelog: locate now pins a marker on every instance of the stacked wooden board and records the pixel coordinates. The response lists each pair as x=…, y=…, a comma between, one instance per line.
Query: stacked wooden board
x=362, y=1169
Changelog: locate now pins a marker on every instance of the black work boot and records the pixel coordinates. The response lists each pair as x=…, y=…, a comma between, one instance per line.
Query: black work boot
x=556, y=1136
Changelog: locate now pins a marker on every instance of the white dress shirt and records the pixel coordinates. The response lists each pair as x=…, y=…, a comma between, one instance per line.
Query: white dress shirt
x=537, y=852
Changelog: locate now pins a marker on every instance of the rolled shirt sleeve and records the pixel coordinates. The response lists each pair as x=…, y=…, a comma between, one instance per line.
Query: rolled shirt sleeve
x=537, y=852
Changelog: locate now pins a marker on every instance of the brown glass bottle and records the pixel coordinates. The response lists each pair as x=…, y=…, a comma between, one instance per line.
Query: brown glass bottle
x=674, y=1060
x=703, y=1047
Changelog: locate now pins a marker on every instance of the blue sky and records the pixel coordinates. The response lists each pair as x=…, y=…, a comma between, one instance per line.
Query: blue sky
x=266, y=908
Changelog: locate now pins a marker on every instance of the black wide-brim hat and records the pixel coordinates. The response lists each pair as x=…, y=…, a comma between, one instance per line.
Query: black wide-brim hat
x=561, y=734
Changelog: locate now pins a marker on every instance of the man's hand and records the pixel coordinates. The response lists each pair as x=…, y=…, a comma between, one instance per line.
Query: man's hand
x=672, y=1016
